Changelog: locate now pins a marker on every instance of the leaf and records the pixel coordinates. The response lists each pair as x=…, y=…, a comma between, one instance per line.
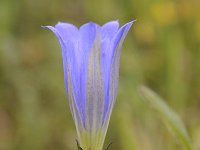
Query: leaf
x=168, y=115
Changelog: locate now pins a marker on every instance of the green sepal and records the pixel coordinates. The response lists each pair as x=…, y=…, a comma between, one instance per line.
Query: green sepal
x=107, y=147
x=79, y=148
x=77, y=143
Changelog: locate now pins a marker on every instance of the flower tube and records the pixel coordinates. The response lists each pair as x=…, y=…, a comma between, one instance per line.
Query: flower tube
x=91, y=57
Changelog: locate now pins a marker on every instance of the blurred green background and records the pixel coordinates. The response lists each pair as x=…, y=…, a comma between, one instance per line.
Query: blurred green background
x=162, y=51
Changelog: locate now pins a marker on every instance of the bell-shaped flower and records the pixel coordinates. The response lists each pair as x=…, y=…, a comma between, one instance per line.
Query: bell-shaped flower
x=91, y=57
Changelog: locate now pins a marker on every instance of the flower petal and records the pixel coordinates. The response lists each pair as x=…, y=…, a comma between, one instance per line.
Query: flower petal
x=95, y=98
x=121, y=34
x=70, y=76
x=64, y=55
x=87, y=36
x=67, y=31
x=87, y=33
x=114, y=70
x=109, y=30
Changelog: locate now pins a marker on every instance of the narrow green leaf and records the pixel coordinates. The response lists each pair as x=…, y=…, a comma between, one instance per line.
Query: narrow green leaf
x=168, y=116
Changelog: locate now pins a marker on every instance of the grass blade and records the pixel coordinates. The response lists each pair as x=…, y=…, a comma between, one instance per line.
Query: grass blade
x=168, y=116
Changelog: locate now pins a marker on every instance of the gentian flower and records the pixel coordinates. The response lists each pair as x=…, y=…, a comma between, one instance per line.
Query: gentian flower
x=91, y=57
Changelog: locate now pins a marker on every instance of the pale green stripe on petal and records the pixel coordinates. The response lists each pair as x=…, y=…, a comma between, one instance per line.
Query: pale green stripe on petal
x=95, y=98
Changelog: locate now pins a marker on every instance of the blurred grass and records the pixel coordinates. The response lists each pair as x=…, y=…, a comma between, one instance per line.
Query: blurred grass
x=171, y=119
x=162, y=51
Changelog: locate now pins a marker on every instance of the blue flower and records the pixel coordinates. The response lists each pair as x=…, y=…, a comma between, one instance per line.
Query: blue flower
x=91, y=57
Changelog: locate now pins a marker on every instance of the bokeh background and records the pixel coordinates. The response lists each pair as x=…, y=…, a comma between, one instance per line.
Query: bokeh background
x=162, y=51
